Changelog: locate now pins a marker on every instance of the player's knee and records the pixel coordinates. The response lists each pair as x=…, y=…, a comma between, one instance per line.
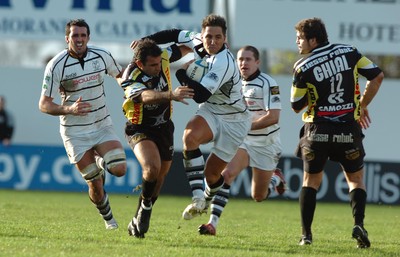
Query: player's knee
x=189, y=140
x=151, y=169
x=91, y=172
x=228, y=177
x=116, y=162
x=118, y=170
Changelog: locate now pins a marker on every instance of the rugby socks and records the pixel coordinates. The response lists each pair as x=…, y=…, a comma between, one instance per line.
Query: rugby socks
x=211, y=190
x=218, y=204
x=105, y=208
x=147, y=194
x=148, y=190
x=275, y=180
x=308, y=201
x=358, y=198
x=193, y=162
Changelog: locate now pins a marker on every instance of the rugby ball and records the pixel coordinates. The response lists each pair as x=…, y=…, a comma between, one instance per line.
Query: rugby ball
x=197, y=70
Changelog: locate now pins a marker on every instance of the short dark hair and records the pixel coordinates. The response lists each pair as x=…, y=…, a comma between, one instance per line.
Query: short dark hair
x=146, y=47
x=76, y=22
x=214, y=20
x=313, y=28
x=252, y=49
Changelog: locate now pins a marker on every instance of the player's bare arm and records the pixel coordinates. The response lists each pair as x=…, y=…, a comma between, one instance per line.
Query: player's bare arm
x=79, y=108
x=269, y=119
x=179, y=95
x=370, y=91
x=371, y=88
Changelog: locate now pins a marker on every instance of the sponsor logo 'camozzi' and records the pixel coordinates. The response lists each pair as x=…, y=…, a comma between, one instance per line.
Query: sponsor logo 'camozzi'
x=335, y=108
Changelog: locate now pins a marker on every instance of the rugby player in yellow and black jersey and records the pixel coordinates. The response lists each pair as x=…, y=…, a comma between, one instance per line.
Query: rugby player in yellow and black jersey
x=149, y=130
x=325, y=82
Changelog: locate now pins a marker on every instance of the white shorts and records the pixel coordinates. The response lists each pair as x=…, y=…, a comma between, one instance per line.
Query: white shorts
x=229, y=134
x=263, y=157
x=77, y=146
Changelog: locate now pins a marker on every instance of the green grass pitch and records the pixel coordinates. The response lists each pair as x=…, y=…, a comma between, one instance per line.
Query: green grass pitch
x=67, y=224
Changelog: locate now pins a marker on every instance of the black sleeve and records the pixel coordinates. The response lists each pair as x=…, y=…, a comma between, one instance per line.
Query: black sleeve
x=176, y=53
x=165, y=36
x=300, y=104
x=201, y=94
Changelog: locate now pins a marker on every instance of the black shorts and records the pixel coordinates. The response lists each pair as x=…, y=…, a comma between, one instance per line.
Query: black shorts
x=162, y=135
x=339, y=142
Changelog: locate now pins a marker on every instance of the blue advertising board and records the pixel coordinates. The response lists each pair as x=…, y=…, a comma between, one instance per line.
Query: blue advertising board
x=29, y=167
x=46, y=168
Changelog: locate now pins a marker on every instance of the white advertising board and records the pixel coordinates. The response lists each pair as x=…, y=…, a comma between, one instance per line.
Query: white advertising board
x=373, y=26
x=109, y=20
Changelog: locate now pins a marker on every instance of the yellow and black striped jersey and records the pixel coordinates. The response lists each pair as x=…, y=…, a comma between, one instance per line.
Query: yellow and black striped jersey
x=136, y=81
x=326, y=82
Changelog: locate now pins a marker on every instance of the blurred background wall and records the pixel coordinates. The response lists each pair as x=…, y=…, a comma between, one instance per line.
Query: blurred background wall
x=32, y=31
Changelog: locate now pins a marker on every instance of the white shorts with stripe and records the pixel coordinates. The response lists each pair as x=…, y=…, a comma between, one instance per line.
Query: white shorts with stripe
x=229, y=131
x=264, y=157
x=78, y=145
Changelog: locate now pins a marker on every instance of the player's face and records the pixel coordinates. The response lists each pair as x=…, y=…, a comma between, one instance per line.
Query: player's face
x=213, y=39
x=247, y=63
x=77, y=40
x=304, y=45
x=152, y=66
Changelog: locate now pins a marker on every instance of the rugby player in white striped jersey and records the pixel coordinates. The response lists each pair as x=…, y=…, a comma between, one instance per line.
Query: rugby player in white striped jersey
x=76, y=75
x=261, y=150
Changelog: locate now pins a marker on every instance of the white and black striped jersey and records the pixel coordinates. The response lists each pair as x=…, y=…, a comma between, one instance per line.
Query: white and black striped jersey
x=261, y=93
x=73, y=78
x=223, y=77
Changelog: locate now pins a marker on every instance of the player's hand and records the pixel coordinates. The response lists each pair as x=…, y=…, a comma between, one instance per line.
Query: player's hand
x=181, y=93
x=186, y=65
x=364, y=120
x=80, y=108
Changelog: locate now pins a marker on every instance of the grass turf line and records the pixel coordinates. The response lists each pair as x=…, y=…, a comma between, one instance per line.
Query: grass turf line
x=67, y=224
